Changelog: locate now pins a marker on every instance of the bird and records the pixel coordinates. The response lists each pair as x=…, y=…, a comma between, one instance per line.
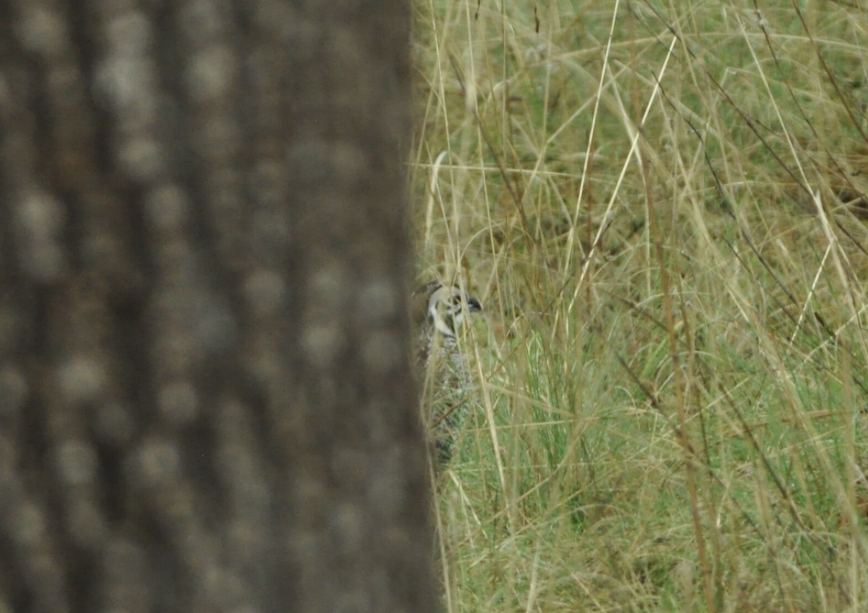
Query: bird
x=439, y=312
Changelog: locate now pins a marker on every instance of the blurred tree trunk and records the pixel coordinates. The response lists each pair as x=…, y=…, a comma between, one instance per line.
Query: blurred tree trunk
x=205, y=395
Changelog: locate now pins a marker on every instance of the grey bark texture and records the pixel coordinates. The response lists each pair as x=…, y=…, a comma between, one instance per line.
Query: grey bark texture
x=206, y=400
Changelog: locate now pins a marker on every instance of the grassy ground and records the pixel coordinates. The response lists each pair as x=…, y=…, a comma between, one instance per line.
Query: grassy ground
x=661, y=207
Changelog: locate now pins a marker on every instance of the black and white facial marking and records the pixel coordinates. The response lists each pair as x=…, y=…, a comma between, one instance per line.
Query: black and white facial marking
x=448, y=308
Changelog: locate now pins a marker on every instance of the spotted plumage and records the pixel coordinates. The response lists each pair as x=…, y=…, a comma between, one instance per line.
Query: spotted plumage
x=439, y=313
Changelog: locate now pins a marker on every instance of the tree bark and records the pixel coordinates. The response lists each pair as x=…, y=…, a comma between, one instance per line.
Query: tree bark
x=206, y=401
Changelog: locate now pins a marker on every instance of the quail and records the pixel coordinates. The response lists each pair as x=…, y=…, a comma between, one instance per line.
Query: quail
x=439, y=313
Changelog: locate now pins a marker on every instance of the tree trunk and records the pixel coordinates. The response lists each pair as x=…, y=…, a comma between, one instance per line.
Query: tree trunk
x=206, y=402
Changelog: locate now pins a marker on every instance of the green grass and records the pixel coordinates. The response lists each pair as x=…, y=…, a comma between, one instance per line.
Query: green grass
x=672, y=374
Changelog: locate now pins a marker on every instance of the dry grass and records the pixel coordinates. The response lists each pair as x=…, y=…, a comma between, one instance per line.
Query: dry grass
x=662, y=208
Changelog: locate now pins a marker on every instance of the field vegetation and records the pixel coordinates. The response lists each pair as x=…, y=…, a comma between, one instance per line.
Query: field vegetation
x=662, y=207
